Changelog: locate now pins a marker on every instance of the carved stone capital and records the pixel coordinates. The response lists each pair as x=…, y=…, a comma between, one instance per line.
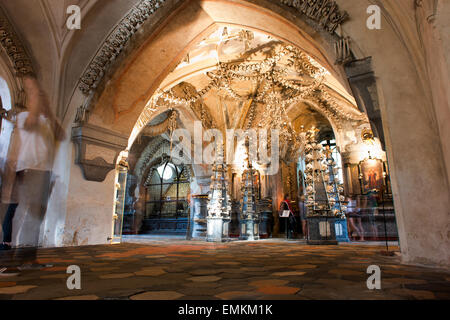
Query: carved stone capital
x=97, y=150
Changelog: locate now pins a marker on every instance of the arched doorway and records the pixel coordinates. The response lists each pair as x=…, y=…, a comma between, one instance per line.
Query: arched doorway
x=167, y=190
x=194, y=19
x=239, y=79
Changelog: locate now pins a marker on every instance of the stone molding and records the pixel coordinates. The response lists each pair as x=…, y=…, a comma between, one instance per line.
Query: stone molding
x=13, y=47
x=96, y=169
x=429, y=7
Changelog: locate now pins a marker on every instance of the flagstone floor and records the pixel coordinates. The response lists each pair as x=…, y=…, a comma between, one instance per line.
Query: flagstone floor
x=178, y=269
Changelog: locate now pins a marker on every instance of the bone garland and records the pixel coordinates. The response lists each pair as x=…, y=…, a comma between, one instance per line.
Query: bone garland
x=325, y=12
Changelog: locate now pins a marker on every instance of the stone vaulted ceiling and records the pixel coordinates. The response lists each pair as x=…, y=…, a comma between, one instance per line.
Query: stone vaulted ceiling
x=235, y=107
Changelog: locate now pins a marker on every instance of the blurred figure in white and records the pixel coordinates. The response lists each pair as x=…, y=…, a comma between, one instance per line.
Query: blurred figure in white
x=27, y=169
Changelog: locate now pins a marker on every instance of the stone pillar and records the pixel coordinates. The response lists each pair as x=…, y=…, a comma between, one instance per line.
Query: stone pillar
x=267, y=207
x=363, y=83
x=276, y=185
x=234, y=222
x=199, y=211
x=80, y=209
x=264, y=209
x=349, y=187
x=266, y=190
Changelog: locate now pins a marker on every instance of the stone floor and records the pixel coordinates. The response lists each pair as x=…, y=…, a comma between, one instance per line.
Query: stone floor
x=269, y=269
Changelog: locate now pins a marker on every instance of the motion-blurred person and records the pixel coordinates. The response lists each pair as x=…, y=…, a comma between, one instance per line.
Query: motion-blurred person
x=372, y=212
x=290, y=221
x=354, y=216
x=303, y=219
x=27, y=172
x=361, y=212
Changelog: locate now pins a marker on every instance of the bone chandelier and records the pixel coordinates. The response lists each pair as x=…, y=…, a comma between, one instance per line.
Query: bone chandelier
x=271, y=75
x=284, y=77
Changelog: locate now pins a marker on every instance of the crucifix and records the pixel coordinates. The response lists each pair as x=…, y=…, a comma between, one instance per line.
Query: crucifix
x=329, y=149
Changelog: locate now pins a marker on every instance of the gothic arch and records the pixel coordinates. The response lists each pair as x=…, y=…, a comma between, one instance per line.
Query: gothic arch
x=167, y=38
x=147, y=10
x=403, y=102
x=102, y=75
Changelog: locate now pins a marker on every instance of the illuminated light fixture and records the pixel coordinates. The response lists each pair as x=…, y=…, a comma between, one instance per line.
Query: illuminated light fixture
x=371, y=149
x=166, y=171
x=367, y=136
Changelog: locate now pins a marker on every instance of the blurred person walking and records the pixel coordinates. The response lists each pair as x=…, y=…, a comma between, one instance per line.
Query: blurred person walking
x=303, y=216
x=27, y=172
x=354, y=218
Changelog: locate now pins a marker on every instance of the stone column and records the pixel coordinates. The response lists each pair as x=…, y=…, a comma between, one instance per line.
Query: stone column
x=349, y=187
x=363, y=83
x=265, y=208
x=265, y=212
x=276, y=185
x=139, y=210
x=266, y=190
x=236, y=203
x=199, y=211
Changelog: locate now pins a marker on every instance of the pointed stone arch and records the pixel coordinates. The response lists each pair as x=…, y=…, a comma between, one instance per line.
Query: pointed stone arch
x=404, y=104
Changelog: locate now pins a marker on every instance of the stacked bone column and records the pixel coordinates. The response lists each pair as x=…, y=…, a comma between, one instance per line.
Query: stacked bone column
x=334, y=188
x=321, y=171
x=219, y=206
x=249, y=217
x=219, y=199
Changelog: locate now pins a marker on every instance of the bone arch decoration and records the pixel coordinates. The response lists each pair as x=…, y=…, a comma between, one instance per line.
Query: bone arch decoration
x=315, y=91
x=116, y=42
x=220, y=79
x=150, y=154
x=157, y=150
x=324, y=12
x=13, y=47
x=158, y=129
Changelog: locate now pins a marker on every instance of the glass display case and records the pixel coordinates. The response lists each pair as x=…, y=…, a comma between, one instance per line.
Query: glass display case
x=119, y=203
